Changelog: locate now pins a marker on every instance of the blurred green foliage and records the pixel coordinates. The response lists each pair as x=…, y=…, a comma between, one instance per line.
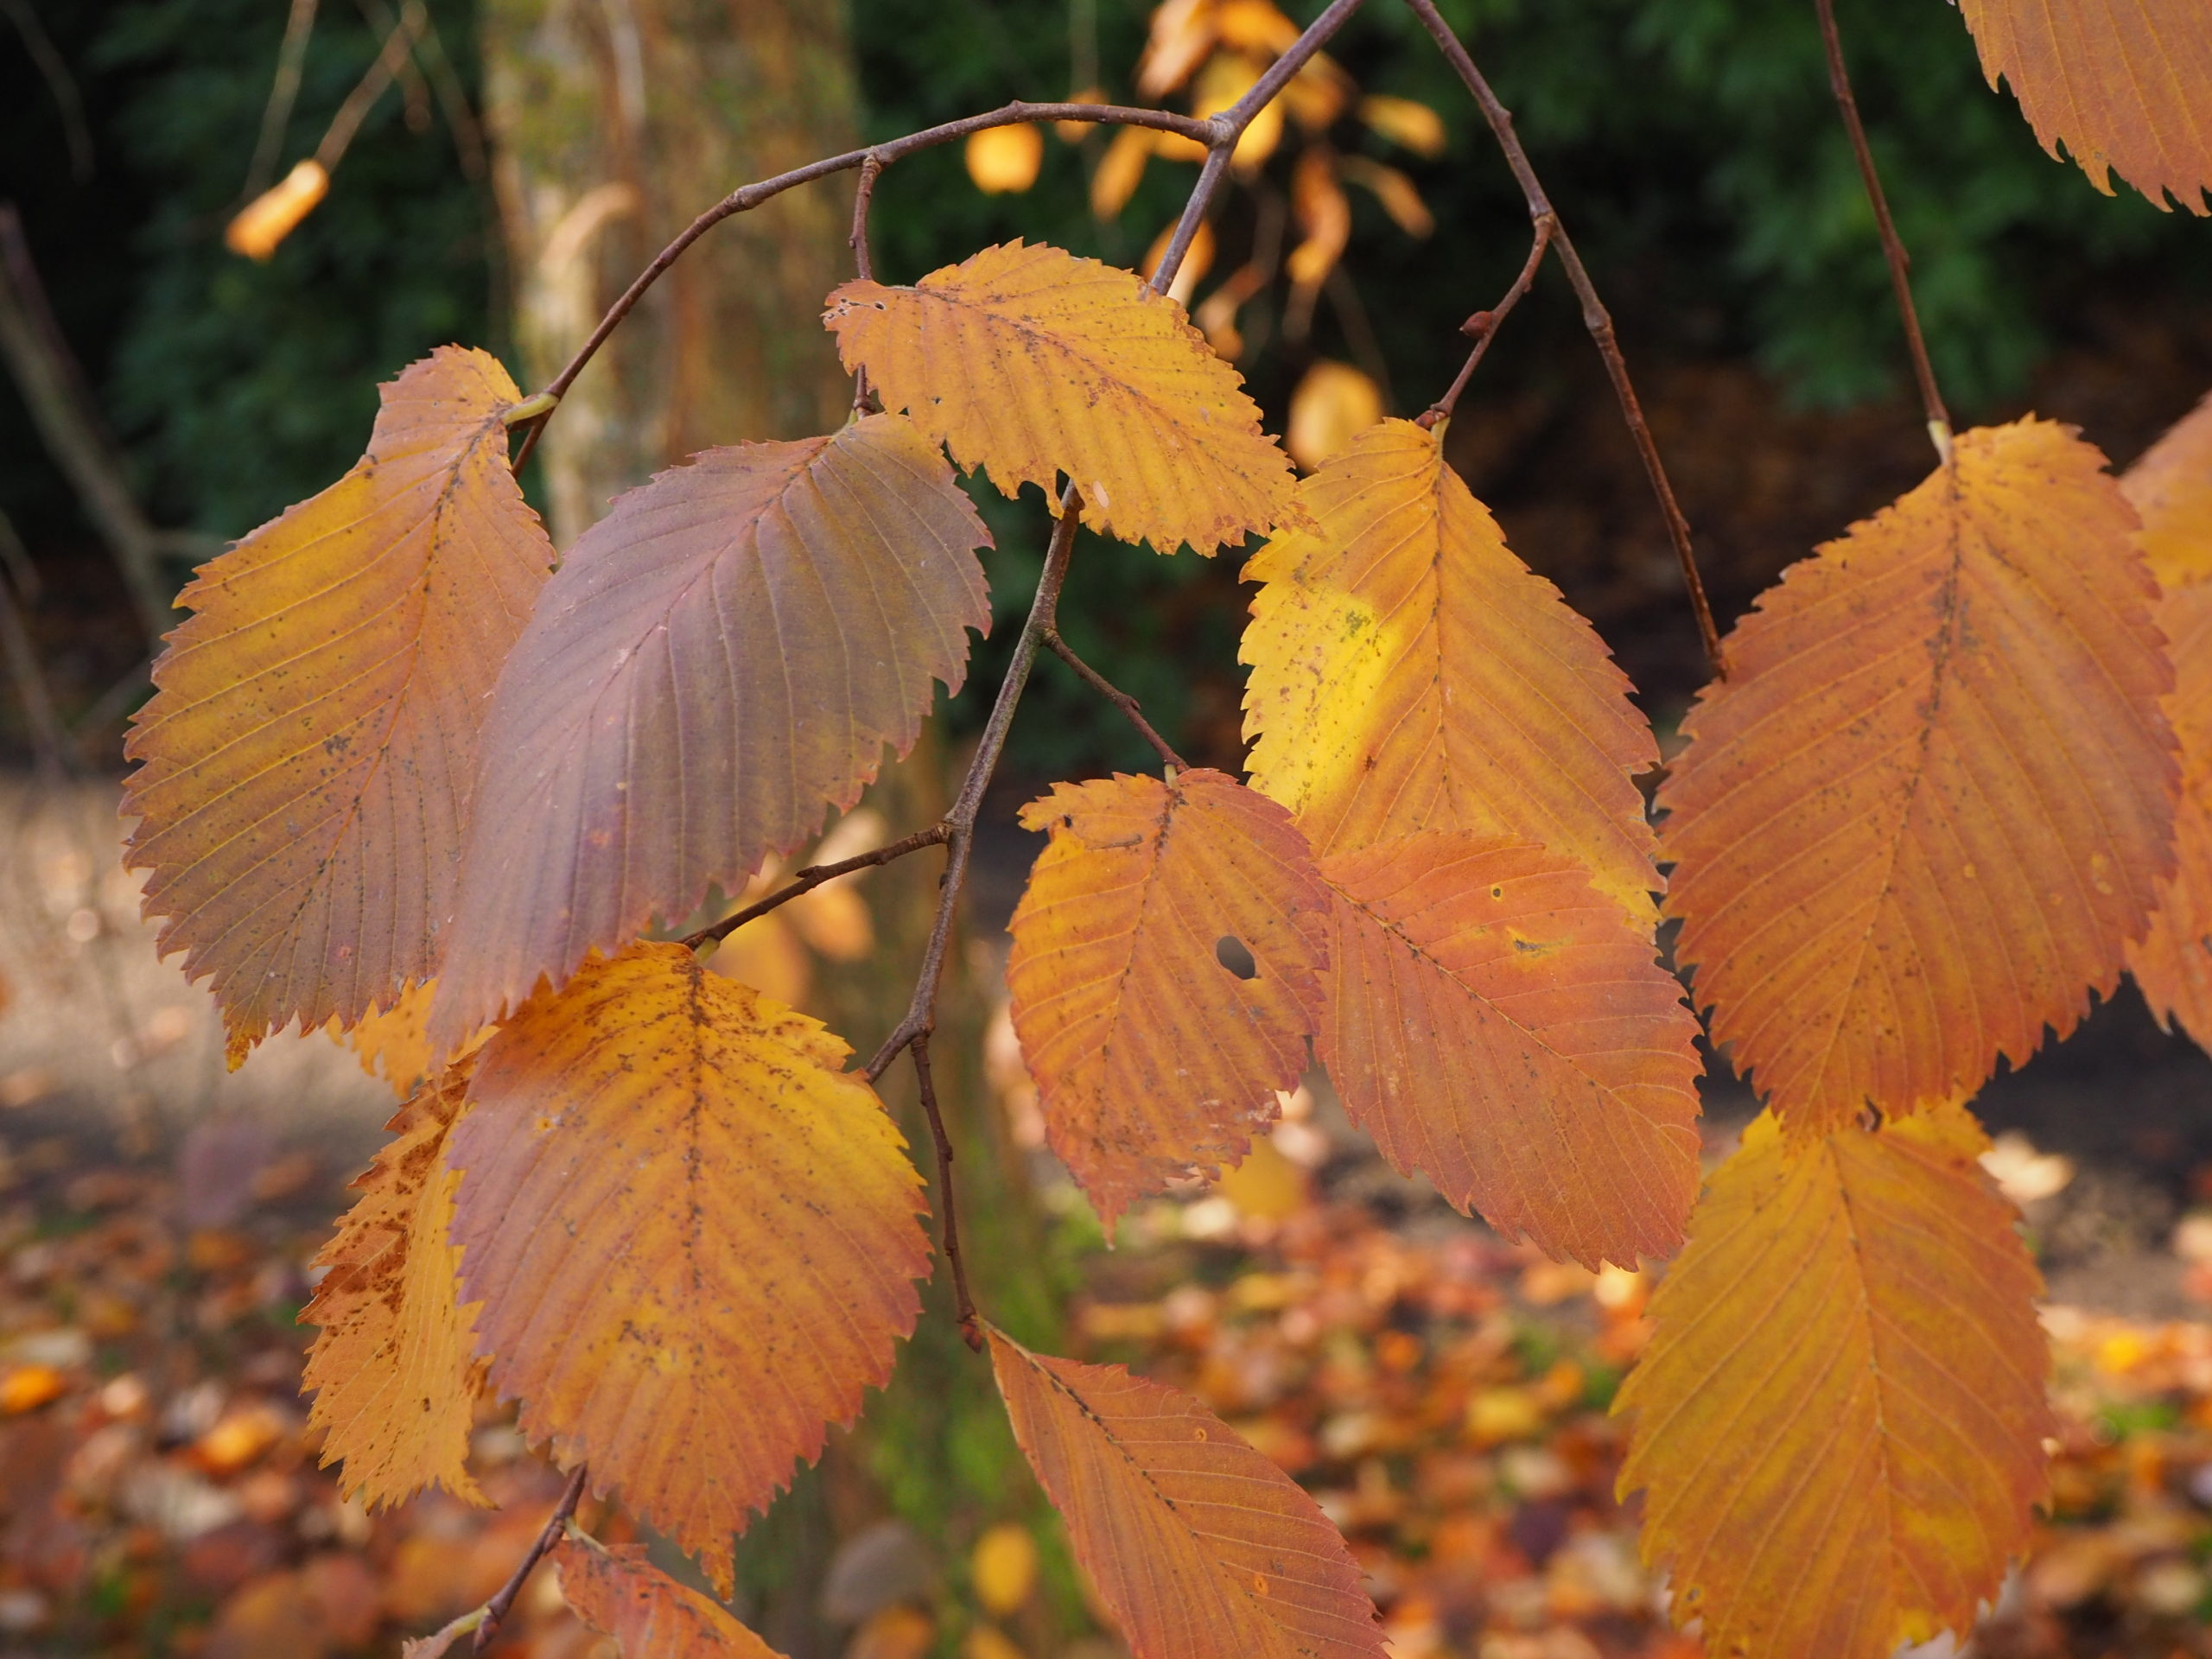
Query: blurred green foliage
x=1691, y=144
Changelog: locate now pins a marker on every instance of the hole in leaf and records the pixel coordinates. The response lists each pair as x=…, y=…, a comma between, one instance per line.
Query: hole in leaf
x=1229, y=951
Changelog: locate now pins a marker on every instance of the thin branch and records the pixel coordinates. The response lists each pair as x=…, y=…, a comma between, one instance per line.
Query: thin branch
x=283, y=91
x=395, y=53
x=964, y=1305
x=863, y=267
x=62, y=408
x=67, y=100
x=1595, y=318
x=1931, y=400
x=960, y=822
x=1121, y=699
x=1484, y=325
x=497, y=1608
x=813, y=876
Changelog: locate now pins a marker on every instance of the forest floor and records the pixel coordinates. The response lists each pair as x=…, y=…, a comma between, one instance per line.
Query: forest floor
x=1442, y=1392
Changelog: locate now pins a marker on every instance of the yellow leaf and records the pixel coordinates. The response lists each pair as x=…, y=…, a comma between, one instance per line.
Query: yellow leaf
x=1226, y=78
x=390, y=1041
x=616, y=1591
x=2127, y=88
x=276, y=212
x=767, y=954
x=1183, y=32
x=305, y=768
x=1119, y=170
x=1495, y=1021
x=692, y=1233
x=1003, y=161
x=1003, y=1567
x=1397, y=193
x=1267, y=1185
x=1409, y=673
x=394, y=1368
x=1255, y=26
x=720, y=661
x=1154, y=1056
x=1839, y=1424
x=1932, y=800
x=1406, y=122
x=1030, y=362
x=2171, y=488
x=1198, y=1546
x=1318, y=202
x=1333, y=404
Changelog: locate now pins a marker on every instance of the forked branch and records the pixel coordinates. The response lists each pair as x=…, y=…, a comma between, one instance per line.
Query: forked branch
x=1900, y=263
x=1595, y=317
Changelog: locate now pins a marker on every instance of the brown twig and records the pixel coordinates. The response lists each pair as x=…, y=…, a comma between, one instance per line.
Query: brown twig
x=1595, y=318
x=1484, y=325
x=1931, y=400
x=964, y=1305
x=395, y=52
x=863, y=266
x=812, y=877
x=1112, y=693
x=497, y=1608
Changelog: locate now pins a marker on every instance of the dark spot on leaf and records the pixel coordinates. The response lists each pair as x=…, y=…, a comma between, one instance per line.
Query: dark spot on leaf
x=1229, y=951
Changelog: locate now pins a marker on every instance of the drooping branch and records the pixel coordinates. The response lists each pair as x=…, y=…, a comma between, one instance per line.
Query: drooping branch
x=1900, y=263
x=1595, y=318
x=1112, y=693
x=814, y=876
x=963, y=1304
x=1484, y=325
x=497, y=1608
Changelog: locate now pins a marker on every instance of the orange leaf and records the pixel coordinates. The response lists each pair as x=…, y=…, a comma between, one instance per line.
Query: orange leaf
x=1004, y=161
x=1030, y=362
x=617, y=1592
x=1152, y=1056
x=305, y=766
x=1840, y=1421
x=265, y=221
x=692, y=1233
x=2172, y=486
x=720, y=660
x=2125, y=87
x=1934, y=796
x=1496, y=1021
x=1409, y=673
x=1198, y=1546
x=394, y=1368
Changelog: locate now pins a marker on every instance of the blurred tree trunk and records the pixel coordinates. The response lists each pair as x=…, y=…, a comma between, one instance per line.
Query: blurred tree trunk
x=616, y=122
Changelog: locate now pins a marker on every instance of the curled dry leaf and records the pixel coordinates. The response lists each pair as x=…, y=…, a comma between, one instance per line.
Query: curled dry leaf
x=617, y=1592
x=1409, y=673
x=1199, y=1546
x=394, y=1368
x=1030, y=362
x=720, y=660
x=1838, y=1426
x=2125, y=87
x=2171, y=488
x=1934, y=798
x=1495, y=1022
x=692, y=1232
x=1152, y=1056
x=306, y=764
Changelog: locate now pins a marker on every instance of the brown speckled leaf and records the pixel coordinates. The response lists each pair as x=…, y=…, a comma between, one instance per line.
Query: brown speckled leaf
x=693, y=1234
x=306, y=764
x=617, y=1592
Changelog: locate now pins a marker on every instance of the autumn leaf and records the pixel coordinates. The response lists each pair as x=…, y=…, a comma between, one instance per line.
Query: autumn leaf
x=2171, y=488
x=1495, y=1022
x=720, y=660
x=1839, y=1424
x=394, y=1368
x=1030, y=362
x=2127, y=88
x=390, y=1041
x=1934, y=796
x=616, y=1591
x=1409, y=673
x=306, y=764
x=1198, y=1546
x=692, y=1233
x=1154, y=1057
